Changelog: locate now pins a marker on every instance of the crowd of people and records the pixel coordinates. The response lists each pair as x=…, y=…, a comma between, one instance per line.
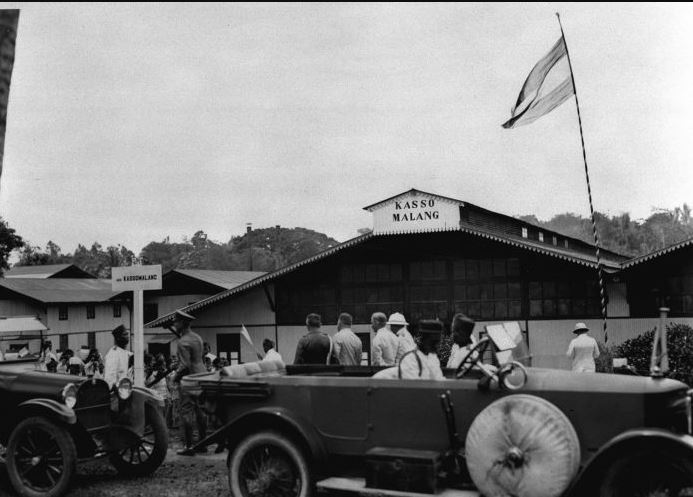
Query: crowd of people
x=393, y=345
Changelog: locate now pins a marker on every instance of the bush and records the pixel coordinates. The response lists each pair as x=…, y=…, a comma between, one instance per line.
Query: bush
x=638, y=351
x=604, y=362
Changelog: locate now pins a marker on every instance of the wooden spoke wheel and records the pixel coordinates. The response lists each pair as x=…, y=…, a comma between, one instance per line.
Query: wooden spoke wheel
x=41, y=458
x=268, y=464
x=147, y=455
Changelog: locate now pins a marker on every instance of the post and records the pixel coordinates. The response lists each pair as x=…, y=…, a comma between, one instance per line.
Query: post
x=600, y=269
x=138, y=335
x=664, y=358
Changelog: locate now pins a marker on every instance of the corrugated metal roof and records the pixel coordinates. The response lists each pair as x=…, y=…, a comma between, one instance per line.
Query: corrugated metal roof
x=18, y=324
x=538, y=247
x=45, y=271
x=222, y=279
x=61, y=290
x=657, y=253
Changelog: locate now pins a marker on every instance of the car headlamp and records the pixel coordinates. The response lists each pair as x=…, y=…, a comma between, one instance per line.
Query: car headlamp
x=70, y=395
x=124, y=389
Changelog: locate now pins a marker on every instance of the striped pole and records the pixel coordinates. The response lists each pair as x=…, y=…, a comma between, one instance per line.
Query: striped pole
x=600, y=269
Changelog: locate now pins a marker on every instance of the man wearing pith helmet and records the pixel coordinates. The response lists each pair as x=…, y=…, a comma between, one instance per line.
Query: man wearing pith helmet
x=190, y=361
x=583, y=350
x=405, y=342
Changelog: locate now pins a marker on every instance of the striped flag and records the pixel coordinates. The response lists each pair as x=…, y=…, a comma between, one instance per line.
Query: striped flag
x=548, y=85
x=8, y=38
x=246, y=335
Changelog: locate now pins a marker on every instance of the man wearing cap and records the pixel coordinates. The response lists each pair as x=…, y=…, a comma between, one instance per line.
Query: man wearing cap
x=405, y=342
x=583, y=350
x=423, y=363
x=463, y=340
x=347, y=347
x=384, y=347
x=117, y=360
x=190, y=361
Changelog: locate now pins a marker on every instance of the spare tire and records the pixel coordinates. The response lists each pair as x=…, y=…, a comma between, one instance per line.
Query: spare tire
x=522, y=446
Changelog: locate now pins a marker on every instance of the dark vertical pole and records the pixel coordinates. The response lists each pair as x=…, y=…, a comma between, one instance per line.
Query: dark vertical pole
x=600, y=269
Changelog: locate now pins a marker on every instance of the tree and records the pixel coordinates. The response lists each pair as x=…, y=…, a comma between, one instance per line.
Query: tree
x=9, y=241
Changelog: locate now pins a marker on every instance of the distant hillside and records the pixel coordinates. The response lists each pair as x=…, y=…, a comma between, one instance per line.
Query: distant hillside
x=622, y=234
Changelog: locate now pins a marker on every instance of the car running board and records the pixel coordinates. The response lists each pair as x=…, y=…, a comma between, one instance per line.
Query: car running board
x=338, y=487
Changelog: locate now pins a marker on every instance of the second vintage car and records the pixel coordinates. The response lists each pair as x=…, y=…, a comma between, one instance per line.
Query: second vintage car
x=50, y=421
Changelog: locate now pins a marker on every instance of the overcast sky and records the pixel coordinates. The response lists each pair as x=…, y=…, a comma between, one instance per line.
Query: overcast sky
x=130, y=123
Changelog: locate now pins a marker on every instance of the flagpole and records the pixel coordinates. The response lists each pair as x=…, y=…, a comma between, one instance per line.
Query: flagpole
x=600, y=269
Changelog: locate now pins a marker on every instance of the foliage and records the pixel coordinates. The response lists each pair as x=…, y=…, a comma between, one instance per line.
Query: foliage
x=622, y=234
x=95, y=260
x=9, y=241
x=271, y=249
x=638, y=351
x=604, y=362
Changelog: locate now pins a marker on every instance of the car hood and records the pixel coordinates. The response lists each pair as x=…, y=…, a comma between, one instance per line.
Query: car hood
x=37, y=383
x=553, y=379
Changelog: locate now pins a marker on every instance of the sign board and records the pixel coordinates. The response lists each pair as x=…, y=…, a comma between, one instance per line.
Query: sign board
x=130, y=278
x=416, y=211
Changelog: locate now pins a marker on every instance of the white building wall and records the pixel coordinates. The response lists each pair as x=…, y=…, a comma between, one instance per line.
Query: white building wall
x=169, y=303
x=18, y=307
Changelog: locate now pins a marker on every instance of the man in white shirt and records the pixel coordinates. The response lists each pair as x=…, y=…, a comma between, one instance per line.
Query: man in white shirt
x=346, y=346
x=384, y=346
x=405, y=342
x=583, y=350
x=270, y=353
x=423, y=363
x=117, y=360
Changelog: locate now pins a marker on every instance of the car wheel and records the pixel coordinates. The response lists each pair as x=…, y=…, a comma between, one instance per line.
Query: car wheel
x=269, y=463
x=524, y=446
x=150, y=451
x=41, y=458
x=649, y=473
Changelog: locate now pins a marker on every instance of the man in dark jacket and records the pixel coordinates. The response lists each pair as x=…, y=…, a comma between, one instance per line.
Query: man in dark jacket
x=190, y=352
x=315, y=347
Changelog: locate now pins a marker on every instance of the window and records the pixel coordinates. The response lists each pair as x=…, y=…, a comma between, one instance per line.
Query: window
x=150, y=312
x=62, y=312
x=541, y=236
x=63, y=343
x=525, y=234
x=91, y=311
x=488, y=289
x=577, y=298
x=565, y=243
x=366, y=348
x=116, y=310
x=229, y=347
x=555, y=240
x=91, y=340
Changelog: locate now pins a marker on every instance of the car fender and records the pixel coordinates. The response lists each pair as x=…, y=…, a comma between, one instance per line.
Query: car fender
x=589, y=478
x=149, y=396
x=48, y=408
x=275, y=418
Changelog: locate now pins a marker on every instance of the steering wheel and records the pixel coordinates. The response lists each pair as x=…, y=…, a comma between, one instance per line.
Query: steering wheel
x=472, y=357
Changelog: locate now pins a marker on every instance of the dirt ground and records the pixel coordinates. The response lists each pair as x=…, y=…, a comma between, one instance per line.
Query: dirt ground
x=201, y=476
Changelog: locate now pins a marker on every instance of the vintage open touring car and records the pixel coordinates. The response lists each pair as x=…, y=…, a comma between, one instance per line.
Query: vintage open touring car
x=49, y=422
x=524, y=432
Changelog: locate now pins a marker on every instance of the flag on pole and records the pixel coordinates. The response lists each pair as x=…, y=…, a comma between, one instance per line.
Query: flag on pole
x=246, y=335
x=8, y=38
x=548, y=85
